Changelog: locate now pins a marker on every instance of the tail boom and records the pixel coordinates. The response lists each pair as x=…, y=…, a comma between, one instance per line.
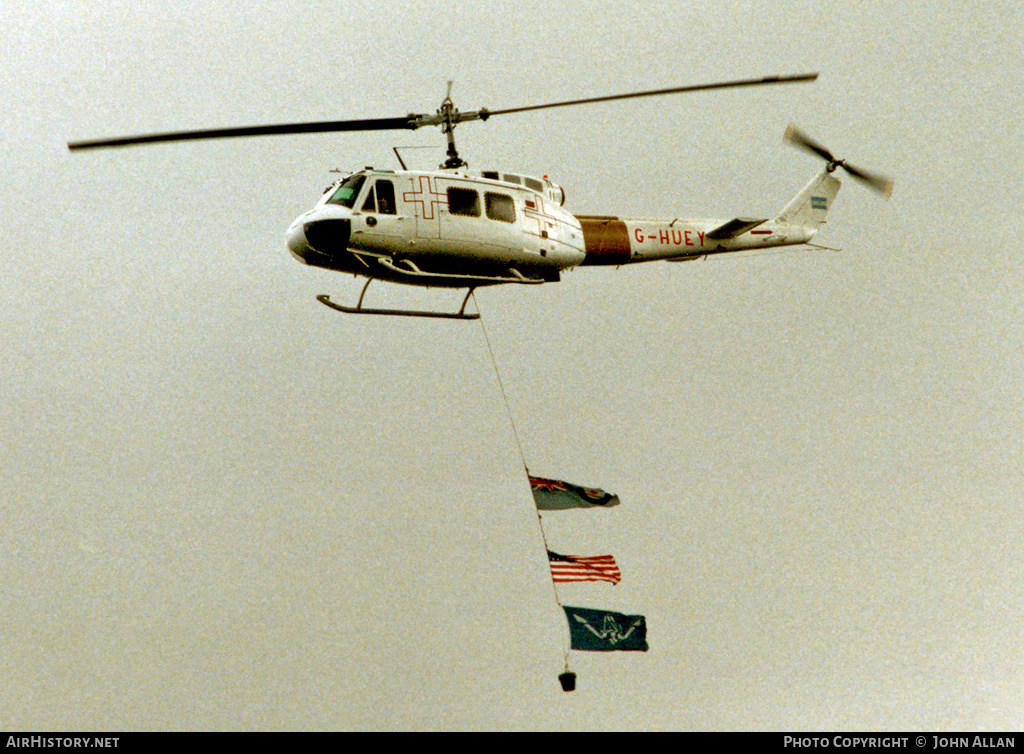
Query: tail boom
x=617, y=241
x=610, y=240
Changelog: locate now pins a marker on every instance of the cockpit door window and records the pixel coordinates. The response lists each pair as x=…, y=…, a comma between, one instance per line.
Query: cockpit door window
x=370, y=205
x=380, y=198
x=385, y=197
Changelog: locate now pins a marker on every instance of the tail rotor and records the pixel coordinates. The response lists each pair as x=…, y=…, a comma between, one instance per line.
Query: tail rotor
x=877, y=182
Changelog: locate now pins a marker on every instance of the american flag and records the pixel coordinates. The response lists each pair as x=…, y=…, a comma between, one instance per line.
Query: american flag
x=565, y=568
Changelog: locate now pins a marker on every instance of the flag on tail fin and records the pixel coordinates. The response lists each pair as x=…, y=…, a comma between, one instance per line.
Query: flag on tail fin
x=566, y=568
x=603, y=631
x=555, y=495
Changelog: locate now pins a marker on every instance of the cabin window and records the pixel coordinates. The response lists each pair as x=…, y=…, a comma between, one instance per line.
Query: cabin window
x=509, y=178
x=463, y=202
x=348, y=191
x=492, y=174
x=534, y=184
x=500, y=207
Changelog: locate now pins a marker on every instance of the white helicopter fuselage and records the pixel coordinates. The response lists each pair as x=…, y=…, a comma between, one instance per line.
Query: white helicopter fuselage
x=453, y=228
x=440, y=228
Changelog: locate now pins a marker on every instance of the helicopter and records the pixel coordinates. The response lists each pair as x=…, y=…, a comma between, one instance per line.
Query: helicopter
x=457, y=228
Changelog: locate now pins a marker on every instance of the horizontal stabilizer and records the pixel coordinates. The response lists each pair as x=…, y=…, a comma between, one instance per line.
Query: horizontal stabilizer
x=735, y=227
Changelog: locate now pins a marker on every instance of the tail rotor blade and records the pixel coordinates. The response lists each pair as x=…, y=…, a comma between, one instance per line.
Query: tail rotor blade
x=803, y=141
x=880, y=183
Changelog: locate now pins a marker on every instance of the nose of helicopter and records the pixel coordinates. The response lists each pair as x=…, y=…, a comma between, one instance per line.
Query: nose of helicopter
x=319, y=233
x=295, y=238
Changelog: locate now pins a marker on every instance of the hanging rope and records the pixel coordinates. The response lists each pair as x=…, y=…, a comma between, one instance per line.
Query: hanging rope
x=504, y=395
x=522, y=458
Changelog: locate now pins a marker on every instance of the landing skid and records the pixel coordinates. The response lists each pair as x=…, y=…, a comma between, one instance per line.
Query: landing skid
x=359, y=309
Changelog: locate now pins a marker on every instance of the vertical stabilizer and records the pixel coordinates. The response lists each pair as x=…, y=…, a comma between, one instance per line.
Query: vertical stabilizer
x=809, y=207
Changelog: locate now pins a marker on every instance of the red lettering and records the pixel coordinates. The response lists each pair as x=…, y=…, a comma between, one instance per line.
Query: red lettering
x=688, y=241
x=678, y=240
x=638, y=236
x=701, y=234
x=663, y=235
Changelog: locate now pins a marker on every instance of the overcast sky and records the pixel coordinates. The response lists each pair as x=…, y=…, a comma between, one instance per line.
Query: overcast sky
x=224, y=506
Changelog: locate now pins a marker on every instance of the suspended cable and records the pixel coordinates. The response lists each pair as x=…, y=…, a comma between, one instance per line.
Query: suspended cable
x=504, y=395
x=522, y=458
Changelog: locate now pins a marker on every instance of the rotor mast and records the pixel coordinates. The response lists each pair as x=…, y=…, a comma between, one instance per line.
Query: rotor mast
x=447, y=117
x=448, y=114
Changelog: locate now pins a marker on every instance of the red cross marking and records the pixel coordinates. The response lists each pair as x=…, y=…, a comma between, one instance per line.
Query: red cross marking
x=543, y=220
x=426, y=197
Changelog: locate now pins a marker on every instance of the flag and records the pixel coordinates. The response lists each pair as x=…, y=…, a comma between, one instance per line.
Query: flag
x=554, y=495
x=603, y=631
x=566, y=568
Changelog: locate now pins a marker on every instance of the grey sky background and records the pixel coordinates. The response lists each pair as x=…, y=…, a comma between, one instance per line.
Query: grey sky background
x=223, y=506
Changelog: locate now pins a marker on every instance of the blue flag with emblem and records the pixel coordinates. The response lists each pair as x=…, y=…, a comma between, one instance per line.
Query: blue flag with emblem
x=603, y=631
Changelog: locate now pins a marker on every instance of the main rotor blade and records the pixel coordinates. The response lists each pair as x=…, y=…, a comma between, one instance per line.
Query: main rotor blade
x=409, y=121
x=656, y=92
x=369, y=124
